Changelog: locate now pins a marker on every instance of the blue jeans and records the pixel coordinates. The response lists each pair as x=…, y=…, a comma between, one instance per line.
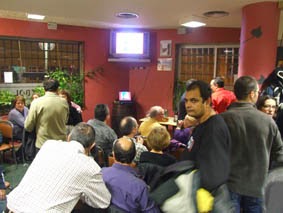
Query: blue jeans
x=3, y=205
x=246, y=203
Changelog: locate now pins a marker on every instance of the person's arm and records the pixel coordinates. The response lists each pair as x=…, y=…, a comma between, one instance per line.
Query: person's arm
x=277, y=147
x=214, y=157
x=96, y=193
x=146, y=204
x=31, y=119
x=2, y=185
x=16, y=118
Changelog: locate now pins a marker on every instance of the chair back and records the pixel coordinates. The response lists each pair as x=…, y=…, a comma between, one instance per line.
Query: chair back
x=6, y=128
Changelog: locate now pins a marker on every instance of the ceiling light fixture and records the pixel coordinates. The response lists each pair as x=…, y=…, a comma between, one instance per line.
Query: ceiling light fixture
x=193, y=24
x=127, y=15
x=35, y=16
x=216, y=14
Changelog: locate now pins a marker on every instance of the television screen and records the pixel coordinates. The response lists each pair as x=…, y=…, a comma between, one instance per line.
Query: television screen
x=129, y=44
x=125, y=96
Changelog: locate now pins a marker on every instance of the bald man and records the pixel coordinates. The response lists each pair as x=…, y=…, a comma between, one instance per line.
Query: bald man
x=129, y=129
x=155, y=115
x=129, y=193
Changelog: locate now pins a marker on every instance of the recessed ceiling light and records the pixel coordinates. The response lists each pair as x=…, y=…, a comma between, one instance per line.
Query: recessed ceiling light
x=35, y=16
x=193, y=24
x=216, y=14
x=127, y=15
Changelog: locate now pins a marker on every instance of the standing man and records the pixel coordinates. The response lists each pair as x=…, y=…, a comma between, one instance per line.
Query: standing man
x=105, y=136
x=221, y=98
x=209, y=144
x=255, y=140
x=60, y=175
x=48, y=115
x=128, y=191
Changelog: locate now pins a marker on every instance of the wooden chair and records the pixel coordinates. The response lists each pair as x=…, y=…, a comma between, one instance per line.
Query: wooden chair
x=6, y=128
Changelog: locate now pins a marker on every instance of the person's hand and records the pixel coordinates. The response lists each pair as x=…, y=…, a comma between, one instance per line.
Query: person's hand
x=180, y=123
x=139, y=139
x=189, y=121
x=2, y=194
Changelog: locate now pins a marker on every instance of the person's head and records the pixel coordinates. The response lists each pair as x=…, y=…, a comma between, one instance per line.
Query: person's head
x=217, y=82
x=129, y=126
x=197, y=99
x=101, y=112
x=156, y=112
x=246, y=89
x=124, y=150
x=34, y=96
x=66, y=95
x=19, y=103
x=84, y=134
x=158, y=138
x=51, y=85
x=267, y=104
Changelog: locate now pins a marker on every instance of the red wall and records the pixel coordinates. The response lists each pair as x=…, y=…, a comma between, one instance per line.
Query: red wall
x=149, y=86
x=152, y=87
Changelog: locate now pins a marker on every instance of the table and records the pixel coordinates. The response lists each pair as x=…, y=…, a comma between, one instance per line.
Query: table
x=170, y=122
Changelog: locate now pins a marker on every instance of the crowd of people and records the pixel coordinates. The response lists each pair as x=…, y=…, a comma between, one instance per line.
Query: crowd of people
x=231, y=138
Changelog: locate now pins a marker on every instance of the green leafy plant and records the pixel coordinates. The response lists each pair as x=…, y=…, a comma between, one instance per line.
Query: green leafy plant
x=39, y=90
x=179, y=89
x=6, y=97
x=73, y=83
x=6, y=100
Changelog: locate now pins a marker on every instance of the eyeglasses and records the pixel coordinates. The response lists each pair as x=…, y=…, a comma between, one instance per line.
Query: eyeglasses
x=269, y=106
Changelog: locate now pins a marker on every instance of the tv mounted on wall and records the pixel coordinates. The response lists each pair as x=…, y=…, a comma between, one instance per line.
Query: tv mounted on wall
x=129, y=46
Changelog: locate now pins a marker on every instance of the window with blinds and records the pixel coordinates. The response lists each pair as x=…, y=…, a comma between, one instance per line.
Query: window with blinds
x=207, y=62
x=30, y=59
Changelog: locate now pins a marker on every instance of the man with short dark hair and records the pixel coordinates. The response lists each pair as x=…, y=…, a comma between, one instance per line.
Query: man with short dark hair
x=209, y=144
x=221, y=98
x=105, y=136
x=60, y=175
x=255, y=141
x=129, y=129
x=129, y=193
x=48, y=115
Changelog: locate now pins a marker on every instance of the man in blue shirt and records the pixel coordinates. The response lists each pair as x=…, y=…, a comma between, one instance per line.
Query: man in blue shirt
x=128, y=192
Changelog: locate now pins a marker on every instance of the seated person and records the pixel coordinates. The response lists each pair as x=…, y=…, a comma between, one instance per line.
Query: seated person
x=105, y=136
x=129, y=129
x=61, y=174
x=18, y=116
x=74, y=116
x=267, y=104
x=184, y=129
x=155, y=115
x=153, y=162
x=128, y=192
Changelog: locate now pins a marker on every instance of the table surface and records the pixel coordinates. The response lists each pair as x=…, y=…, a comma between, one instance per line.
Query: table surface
x=170, y=121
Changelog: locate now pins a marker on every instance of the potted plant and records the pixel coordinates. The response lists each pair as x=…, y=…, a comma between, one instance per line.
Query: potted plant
x=73, y=83
x=6, y=99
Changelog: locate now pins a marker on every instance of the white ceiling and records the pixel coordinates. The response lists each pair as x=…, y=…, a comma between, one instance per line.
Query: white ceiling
x=154, y=14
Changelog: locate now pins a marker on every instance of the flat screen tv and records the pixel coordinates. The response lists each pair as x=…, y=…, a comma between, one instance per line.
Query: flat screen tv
x=128, y=45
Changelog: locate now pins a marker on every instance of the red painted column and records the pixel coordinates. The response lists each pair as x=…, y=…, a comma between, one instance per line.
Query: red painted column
x=259, y=33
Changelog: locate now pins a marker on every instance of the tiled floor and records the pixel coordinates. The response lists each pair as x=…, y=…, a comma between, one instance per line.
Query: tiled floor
x=13, y=173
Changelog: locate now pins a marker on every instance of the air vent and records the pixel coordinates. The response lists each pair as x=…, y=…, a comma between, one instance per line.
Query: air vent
x=215, y=14
x=126, y=15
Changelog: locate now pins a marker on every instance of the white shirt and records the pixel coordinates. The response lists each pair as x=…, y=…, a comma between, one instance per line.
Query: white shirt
x=59, y=175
